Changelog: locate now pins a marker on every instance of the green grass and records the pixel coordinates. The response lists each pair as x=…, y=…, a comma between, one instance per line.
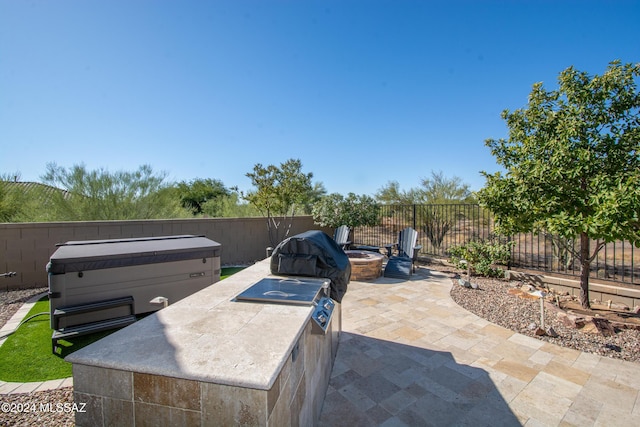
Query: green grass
x=26, y=355
x=229, y=271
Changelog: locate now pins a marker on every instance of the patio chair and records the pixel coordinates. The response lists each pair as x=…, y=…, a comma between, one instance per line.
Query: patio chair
x=341, y=237
x=402, y=265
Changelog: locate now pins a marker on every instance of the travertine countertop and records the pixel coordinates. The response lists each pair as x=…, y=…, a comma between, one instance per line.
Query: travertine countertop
x=207, y=337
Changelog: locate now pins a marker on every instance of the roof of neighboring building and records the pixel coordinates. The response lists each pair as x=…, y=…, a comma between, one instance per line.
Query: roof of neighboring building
x=33, y=186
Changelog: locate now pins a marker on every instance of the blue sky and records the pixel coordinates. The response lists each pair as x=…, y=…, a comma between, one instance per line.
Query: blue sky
x=362, y=92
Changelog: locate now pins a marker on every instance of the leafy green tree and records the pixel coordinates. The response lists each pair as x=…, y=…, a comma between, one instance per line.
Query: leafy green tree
x=335, y=210
x=572, y=163
x=279, y=193
x=195, y=194
x=102, y=195
x=317, y=192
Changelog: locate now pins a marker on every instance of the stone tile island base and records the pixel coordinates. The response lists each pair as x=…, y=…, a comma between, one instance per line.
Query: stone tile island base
x=169, y=383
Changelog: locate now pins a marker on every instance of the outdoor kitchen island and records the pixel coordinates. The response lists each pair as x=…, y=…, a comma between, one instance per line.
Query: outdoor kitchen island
x=210, y=360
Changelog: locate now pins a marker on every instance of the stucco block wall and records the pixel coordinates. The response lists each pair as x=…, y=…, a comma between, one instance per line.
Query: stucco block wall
x=26, y=247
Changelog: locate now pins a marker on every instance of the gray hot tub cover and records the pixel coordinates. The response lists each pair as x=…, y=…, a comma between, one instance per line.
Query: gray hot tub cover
x=313, y=254
x=100, y=254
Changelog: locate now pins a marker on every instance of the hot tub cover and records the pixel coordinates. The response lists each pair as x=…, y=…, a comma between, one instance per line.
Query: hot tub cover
x=313, y=254
x=99, y=254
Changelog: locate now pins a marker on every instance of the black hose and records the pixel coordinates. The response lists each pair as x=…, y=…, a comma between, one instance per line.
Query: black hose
x=23, y=322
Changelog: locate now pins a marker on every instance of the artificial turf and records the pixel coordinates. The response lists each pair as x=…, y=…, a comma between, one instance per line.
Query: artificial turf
x=26, y=355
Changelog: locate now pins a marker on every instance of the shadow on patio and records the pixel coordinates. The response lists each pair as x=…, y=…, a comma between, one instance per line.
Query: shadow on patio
x=379, y=382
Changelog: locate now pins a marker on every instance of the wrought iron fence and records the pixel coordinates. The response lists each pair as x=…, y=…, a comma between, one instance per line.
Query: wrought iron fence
x=442, y=226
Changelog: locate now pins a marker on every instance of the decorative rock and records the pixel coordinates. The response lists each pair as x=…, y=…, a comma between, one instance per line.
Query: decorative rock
x=539, y=332
x=590, y=328
x=552, y=333
x=604, y=326
x=571, y=320
x=464, y=283
x=532, y=327
x=613, y=347
x=475, y=286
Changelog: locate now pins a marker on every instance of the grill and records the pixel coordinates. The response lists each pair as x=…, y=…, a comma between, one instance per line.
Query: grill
x=313, y=254
x=317, y=272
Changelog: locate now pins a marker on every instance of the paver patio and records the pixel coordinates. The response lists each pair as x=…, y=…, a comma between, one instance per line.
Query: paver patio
x=409, y=355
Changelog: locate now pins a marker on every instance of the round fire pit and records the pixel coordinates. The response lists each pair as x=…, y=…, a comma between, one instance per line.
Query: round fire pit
x=365, y=265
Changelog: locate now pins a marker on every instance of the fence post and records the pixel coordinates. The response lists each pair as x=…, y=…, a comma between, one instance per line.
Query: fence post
x=414, y=216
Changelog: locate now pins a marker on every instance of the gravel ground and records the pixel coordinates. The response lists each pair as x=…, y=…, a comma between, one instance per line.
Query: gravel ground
x=43, y=408
x=51, y=408
x=493, y=303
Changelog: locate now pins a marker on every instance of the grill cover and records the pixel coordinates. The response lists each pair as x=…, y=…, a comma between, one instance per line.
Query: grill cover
x=313, y=254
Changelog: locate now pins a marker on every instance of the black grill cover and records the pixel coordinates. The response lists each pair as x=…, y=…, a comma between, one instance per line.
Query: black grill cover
x=314, y=254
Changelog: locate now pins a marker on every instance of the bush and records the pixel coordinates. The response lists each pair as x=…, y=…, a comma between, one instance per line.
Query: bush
x=335, y=210
x=482, y=257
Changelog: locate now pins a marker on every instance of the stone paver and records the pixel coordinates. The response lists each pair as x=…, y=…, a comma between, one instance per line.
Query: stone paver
x=410, y=356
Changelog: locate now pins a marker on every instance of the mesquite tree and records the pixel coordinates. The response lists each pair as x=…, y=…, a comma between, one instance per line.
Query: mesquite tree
x=572, y=163
x=280, y=192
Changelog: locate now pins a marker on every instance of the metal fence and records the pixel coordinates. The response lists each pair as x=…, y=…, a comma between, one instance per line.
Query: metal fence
x=442, y=226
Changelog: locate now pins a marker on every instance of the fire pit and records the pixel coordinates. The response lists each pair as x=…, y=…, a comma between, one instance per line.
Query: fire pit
x=365, y=265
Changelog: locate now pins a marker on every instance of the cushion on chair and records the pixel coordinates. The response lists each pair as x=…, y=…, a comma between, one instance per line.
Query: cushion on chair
x=398, y=268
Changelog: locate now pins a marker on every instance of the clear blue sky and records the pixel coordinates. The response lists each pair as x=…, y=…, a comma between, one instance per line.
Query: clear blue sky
x=363, y=92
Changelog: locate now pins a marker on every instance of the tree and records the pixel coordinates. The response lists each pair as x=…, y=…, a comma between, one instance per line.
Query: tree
x=391, y=194
x=335, y=210
x=442, y=190
x=198, y=193
x=434, y=192
x=572, y=164
x=102, y=195
x=11, y=200
x=280, y=192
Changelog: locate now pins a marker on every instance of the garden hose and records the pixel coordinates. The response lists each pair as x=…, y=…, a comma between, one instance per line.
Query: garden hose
x=23, y=322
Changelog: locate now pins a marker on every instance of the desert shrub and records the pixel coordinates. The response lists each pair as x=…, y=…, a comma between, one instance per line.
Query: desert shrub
x=483, y=257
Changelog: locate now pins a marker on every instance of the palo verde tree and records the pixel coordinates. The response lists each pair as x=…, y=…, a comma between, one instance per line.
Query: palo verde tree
x=102, y=195
x=572, y=163
x=279, y=193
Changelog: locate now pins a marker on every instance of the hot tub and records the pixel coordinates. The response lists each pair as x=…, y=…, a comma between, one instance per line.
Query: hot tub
x=93, y=271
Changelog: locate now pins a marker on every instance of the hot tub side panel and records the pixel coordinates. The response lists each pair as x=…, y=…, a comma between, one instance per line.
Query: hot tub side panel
x=172, y=280
x=82, y=273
